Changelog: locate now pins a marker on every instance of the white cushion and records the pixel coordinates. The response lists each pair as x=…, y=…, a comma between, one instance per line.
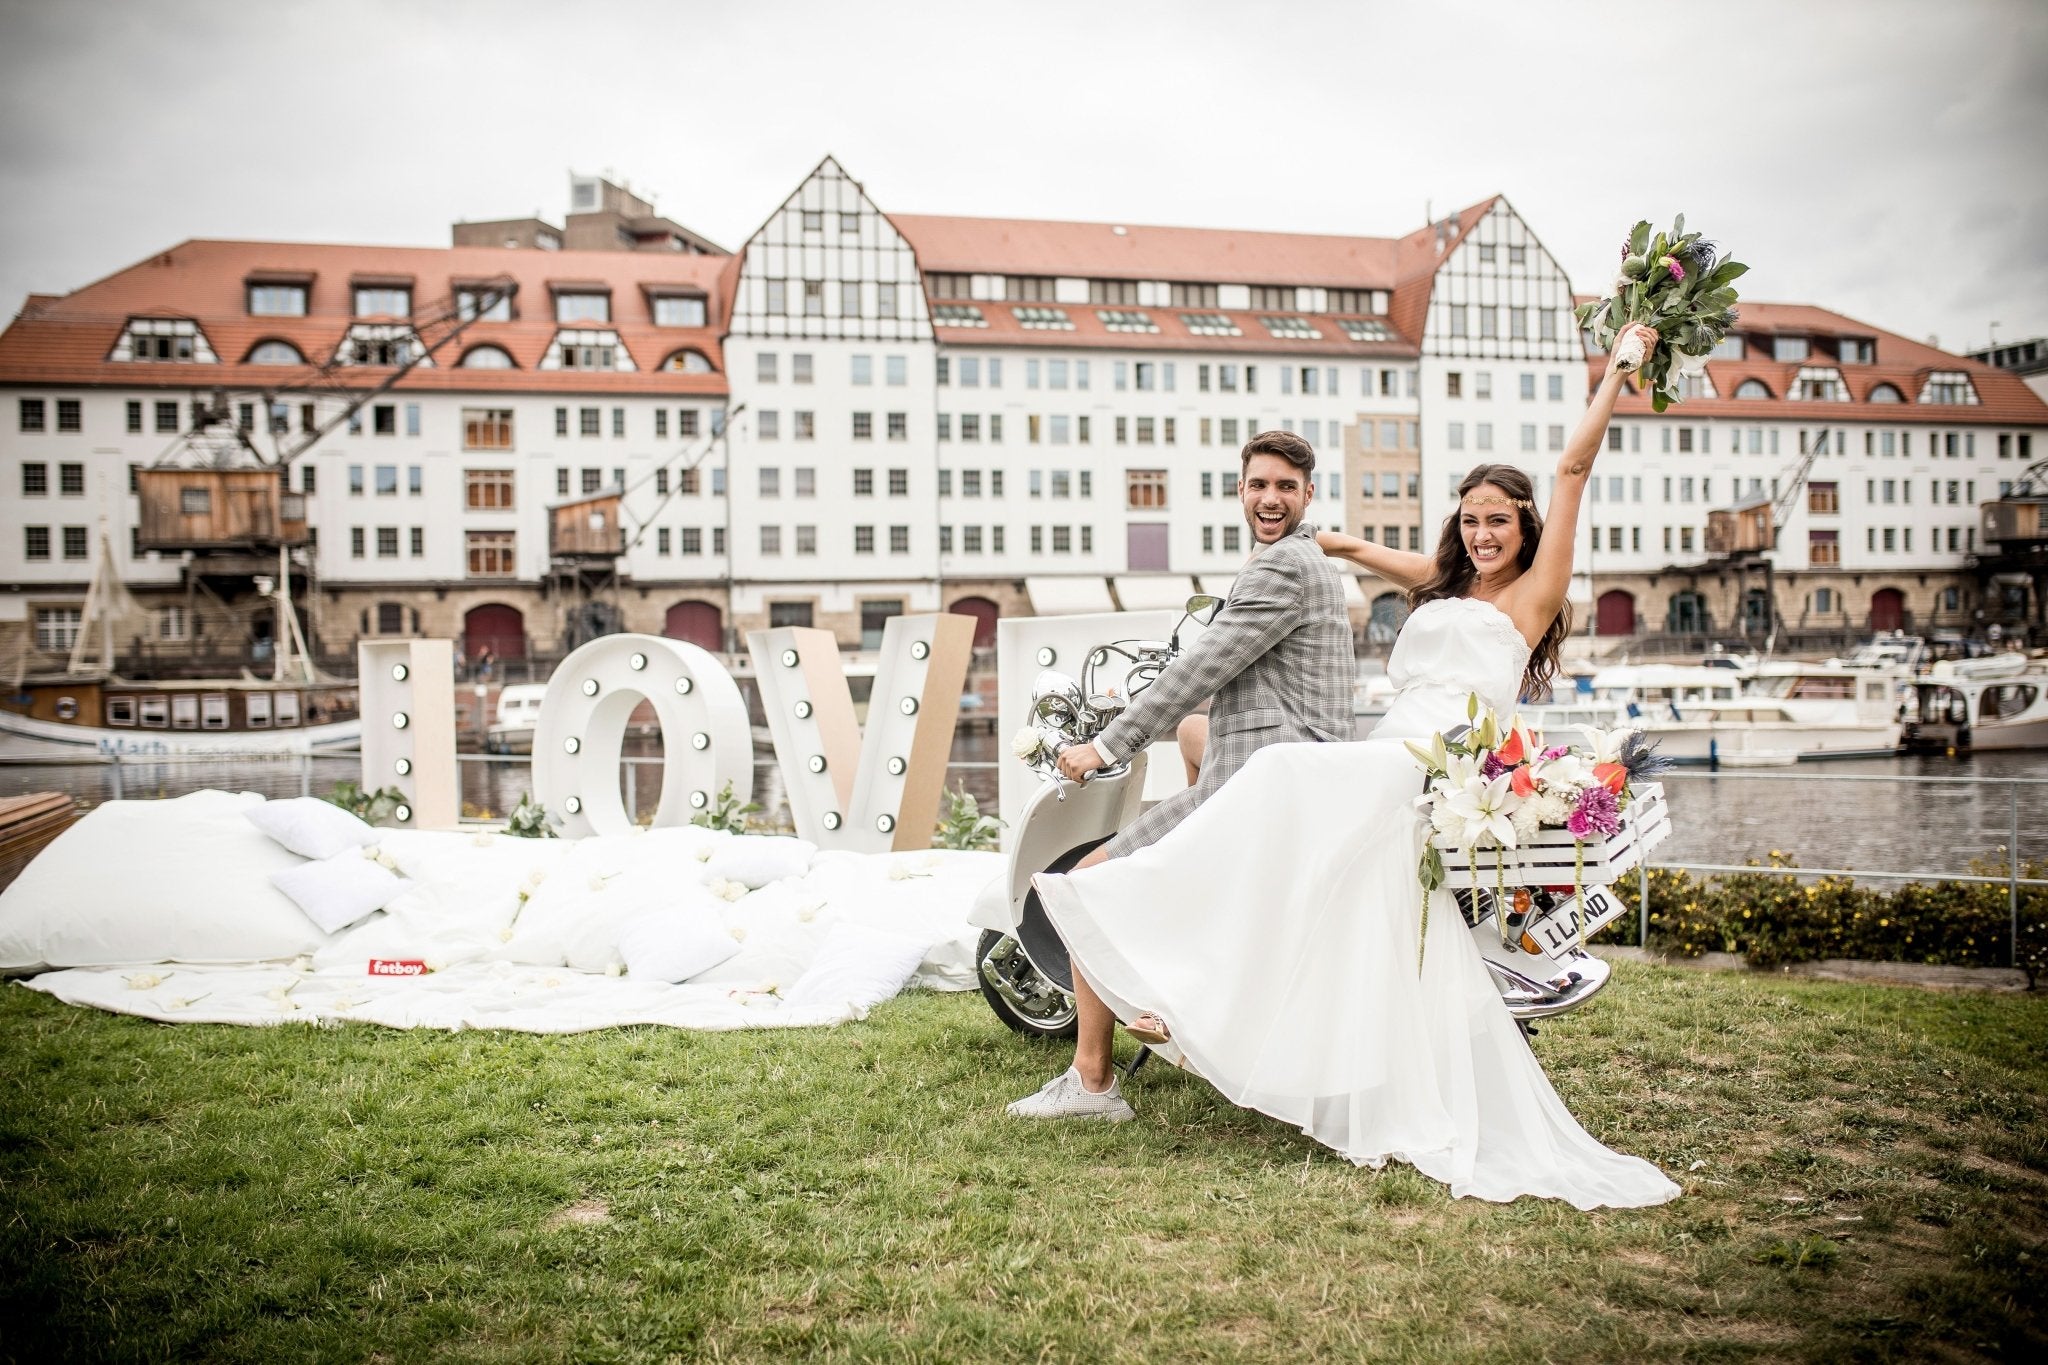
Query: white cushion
x=758, y=859
x=574, y=917
x=310, y=827
x=336, y=892
x=185, y=880
x=673, y=945
x=858, y=966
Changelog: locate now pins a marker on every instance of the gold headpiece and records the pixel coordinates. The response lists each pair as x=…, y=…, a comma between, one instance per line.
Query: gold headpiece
x=1469, y=501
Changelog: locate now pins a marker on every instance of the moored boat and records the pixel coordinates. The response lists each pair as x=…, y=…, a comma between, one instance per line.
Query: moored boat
x=2000, y=702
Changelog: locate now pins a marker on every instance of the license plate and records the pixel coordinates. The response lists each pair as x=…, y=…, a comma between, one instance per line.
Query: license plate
x=1557, y=933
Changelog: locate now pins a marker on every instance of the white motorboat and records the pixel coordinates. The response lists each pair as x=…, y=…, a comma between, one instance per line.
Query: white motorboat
x=2000, y=702
x=1767, y=716
x=518, y=709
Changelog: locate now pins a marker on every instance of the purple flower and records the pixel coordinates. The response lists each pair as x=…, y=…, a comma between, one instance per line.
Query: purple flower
x=1556, y=751
x=1492, y=767
x=1671, y=263
x=1596, y=812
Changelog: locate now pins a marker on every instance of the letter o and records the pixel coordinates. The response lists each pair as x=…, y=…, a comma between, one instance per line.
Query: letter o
x=706, y=740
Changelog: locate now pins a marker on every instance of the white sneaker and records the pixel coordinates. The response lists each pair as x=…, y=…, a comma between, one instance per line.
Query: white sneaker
x=1064, y=1097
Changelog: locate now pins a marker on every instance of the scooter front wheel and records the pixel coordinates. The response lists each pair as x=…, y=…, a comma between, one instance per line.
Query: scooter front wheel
x=1021, y=996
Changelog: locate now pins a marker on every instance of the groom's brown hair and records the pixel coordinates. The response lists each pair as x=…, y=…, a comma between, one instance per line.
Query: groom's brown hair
x=1285, y=444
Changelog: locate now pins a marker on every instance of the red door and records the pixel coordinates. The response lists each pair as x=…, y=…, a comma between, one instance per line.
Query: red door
x=497, y=626
x=1617, y=612
x=984, y=613
x=1887, y=609
x=700, y=623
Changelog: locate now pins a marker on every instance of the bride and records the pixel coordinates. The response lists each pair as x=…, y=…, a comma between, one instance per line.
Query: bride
x=1273, y=936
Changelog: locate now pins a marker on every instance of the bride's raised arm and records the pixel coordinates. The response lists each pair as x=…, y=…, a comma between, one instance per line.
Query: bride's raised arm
x=1403, y=568
x=1541, y=591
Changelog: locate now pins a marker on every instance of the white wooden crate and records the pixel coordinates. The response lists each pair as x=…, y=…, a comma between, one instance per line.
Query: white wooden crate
x=1551, y=857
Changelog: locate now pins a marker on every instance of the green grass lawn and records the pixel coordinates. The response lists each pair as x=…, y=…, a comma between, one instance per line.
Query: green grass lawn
x=1866, y=1173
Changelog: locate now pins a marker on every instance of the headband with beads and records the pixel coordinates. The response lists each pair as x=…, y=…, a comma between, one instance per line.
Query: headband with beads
x=1470, y=501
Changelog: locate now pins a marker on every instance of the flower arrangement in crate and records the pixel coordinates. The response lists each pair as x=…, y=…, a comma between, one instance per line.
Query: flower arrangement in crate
x=1555, y=816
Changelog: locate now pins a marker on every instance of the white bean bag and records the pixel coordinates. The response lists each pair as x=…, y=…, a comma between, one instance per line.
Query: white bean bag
x=184, y=880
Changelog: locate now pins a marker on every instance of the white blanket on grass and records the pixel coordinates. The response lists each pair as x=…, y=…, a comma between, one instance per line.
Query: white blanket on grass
x=166, y=910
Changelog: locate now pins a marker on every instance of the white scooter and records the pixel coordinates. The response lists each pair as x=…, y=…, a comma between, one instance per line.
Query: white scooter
x=1536, y=960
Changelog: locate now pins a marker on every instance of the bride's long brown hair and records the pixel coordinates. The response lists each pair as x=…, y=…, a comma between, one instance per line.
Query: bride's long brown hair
x=1456, y=574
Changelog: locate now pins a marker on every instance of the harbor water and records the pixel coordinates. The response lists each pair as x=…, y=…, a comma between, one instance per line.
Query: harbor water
x=1903, y=823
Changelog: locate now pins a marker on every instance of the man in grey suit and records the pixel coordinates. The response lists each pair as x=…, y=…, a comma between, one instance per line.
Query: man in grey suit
x=1277, y=662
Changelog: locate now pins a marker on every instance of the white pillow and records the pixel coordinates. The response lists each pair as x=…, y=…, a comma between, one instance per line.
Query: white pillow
x=336, y=892
x=573, y=918
x=310, y=827
x=185, y=880
x=672, y=946
x=758, y=859
x=857, y=966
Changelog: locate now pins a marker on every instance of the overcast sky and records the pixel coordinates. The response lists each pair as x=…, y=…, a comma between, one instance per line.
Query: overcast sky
x=1866, y=155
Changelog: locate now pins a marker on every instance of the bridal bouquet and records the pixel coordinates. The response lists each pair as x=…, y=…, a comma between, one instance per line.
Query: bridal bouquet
x=1497, y=786
x=1678, y=283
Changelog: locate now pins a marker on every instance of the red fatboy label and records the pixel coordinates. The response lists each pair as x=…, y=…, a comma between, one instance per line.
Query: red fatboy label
x=397, y=966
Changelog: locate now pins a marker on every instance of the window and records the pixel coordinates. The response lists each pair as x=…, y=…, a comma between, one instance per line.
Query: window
x=771, y=540
x=483, y=304
x=899, y=540
x=34, y=414
x=1145, y=490
x=487, y=428
x=899, y=426
x=490, y=554
x=35, y=480
x=383, y=301
x=277, y=300
x=770, y=481
x=814, y=298
x=487, y=489
x=618, y=421
x=863, y=540
x=679, y=310
x=417, y=542
x=387, y=542
x=573, y=306
x=1824, y=499
x=863, y=426
x=57, y=627
x=590, y=422
x=805, y=480
x=899, y=483
x=1556, y=388
x=71, y=480
x=1454, y=384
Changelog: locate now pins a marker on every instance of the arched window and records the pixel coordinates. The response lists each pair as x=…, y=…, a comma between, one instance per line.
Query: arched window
x=689, y=362
x=486, y=358
x=1885, y=393
x=276, y=353
x=1752, y=388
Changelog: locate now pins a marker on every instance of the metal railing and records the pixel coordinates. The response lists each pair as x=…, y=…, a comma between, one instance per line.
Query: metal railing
x=301, y=767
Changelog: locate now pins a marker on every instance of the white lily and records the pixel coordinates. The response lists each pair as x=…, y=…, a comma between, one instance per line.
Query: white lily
x=1605, y=744
x=1486, y=808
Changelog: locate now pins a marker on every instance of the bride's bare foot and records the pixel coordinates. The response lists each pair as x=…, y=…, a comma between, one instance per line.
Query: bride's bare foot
x=1149, y=1029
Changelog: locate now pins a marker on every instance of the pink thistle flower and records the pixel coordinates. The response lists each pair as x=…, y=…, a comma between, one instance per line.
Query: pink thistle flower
x=1596, y=812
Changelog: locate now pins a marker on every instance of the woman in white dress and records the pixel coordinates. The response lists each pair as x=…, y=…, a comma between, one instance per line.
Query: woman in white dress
x=1274, y=934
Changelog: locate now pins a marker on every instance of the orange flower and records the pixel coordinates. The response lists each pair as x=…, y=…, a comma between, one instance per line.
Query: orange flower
x=1612, y=775
x=1514, y=751
x=1522, y=783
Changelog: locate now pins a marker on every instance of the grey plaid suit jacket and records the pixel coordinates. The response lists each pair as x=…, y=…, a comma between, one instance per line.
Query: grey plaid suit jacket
x=1277, y=659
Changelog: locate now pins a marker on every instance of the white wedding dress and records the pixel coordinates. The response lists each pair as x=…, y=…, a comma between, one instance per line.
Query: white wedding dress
x=1275, y=930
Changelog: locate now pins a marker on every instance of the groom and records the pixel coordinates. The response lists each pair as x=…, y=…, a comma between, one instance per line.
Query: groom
x=1276, y=660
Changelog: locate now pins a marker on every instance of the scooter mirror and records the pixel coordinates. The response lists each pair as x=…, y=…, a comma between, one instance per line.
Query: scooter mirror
x=1203, y=607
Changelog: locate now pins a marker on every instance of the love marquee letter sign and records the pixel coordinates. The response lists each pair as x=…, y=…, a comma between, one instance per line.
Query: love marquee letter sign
x=868, y=792
x=875, y=790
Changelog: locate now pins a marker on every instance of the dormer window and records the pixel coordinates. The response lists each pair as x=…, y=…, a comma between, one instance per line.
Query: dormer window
x=1856, y=350
x=1729, y=348
x=1948, y=386
x=1042, y=319
x=1789, y=348
x=383, y=301
x=586, y=349
x=483, y=303
x=163, y=340
x=380, y=344
x=275, y=353
x=679, y=310
x=958, y=315
x=1820, y=384
x=582, y=305
x=1125, y=320
x=1210, y=324
x=277, y=299
x=1357, y=301
x=1752, y=388
x=1885, y=393
x=1366, y=329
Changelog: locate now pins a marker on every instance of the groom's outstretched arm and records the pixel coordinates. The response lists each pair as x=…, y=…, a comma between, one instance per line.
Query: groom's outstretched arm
x=1265, y=604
